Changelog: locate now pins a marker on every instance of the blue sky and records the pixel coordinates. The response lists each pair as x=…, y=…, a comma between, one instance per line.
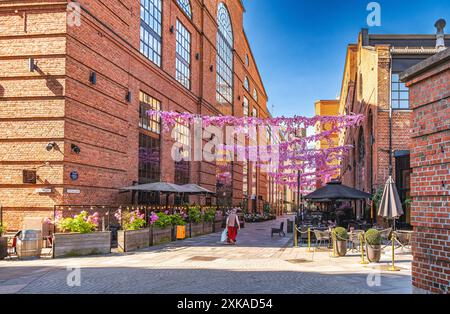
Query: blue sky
x=300, y=45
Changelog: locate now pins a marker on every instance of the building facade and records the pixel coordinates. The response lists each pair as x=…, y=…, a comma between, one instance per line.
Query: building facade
x=429, y=84
x=370, y=86
x=327, y=108
x=77, y=79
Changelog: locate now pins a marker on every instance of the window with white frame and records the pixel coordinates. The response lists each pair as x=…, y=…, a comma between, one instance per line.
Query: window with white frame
x=185, y=5
x=246, y=84
x=224, y=67
x=151, y=18
x=183, y=56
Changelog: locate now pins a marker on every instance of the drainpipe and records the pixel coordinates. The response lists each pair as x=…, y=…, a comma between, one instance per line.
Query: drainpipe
x=390, y=115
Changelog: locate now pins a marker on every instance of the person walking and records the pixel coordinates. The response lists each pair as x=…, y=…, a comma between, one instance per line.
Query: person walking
x=233, y=225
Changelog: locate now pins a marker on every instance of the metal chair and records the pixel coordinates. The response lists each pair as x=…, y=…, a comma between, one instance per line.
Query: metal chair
x=403, y=238
x=354, y=240
x=280, y=230
x=386, y=236
x=321, y=237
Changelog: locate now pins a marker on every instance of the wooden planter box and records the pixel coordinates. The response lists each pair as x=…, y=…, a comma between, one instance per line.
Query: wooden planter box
x=3, y=247
x=80, y=244
x=133, y=240
x=196, y=229
x=207, y=227
x=161, y=236
x=217, y=226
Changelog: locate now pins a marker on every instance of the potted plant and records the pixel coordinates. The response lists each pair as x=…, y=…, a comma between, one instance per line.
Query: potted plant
x=195, y=219
x=161, y=228
x=208, y=219
x=3, y=242
x=133, y=235
x=79, y=236
x=373, y=245
x=341, y=240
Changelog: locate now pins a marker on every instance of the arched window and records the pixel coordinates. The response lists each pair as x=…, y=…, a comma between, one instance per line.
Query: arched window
x=186, y=6
x=255, y=95
x=362, y=147
x=151, y=18
x=224, y=67
x=246, y=84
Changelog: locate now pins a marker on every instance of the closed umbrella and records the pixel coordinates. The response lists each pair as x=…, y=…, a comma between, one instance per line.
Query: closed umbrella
x=390, y=204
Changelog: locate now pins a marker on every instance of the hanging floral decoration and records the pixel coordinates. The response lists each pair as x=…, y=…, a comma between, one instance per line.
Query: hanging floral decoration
x=294, y=154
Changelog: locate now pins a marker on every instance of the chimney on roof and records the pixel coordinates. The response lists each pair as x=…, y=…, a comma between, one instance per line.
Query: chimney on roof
x=440, y=37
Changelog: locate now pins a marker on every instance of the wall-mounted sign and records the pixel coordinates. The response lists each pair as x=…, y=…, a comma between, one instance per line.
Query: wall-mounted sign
x=74, y=176
x=73, y=191
x=43, y=190
x=29, y=176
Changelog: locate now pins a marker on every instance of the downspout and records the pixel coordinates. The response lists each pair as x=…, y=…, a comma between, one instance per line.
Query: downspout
x=390, y=115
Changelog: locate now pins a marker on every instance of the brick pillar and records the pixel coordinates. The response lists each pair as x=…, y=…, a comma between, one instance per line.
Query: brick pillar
x=429, y=84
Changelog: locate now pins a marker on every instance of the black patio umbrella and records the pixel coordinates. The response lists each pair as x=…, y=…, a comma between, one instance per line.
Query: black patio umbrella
x=196, y=189
x=336, y=191
x=390, y=204
x=162, y=187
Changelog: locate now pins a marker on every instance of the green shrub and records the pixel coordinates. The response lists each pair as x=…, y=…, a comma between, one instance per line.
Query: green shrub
x=82, y=223
x=177, y=220
x=163, y=221
x=2, y=229
x=195, y=215
x=373, y=237
x=209, y=215
x=341, y=233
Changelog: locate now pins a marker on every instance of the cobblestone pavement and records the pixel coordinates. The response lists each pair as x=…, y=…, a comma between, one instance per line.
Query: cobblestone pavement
x=258, y=264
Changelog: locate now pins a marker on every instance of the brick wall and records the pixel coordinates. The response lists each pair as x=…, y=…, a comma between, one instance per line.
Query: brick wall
x=58, y=103
x=430, y=182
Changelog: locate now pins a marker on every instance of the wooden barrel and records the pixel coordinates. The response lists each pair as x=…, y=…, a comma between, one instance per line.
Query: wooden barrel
x=29, y=244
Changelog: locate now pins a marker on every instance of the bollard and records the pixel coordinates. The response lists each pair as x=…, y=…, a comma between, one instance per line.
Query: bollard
x=333, y=238
x=361, y=241
x=295, y=236
x=309, y=240
x=393, y=268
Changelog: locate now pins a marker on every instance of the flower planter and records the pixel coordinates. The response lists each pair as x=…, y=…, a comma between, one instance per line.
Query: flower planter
x=196, y=229
x=129, y=241
x=161, y=236
x=80, y=244
x=341, y=247
x=207, y=227
x=373, y=253
x=3, y=247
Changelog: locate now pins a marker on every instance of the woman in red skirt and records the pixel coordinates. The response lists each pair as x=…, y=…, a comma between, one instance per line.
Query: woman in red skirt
x=233, y=226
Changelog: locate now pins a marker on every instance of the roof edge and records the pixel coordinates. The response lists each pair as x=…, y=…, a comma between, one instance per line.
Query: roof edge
x=416, y=70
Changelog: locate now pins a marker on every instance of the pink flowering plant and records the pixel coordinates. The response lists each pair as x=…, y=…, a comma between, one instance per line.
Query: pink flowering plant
x=130, y=221
x=164, y=220
x=82, y=223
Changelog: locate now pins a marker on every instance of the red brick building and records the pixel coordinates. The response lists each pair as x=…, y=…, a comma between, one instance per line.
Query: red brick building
x=77, y=78
x=370, y=86
x=429, y=84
